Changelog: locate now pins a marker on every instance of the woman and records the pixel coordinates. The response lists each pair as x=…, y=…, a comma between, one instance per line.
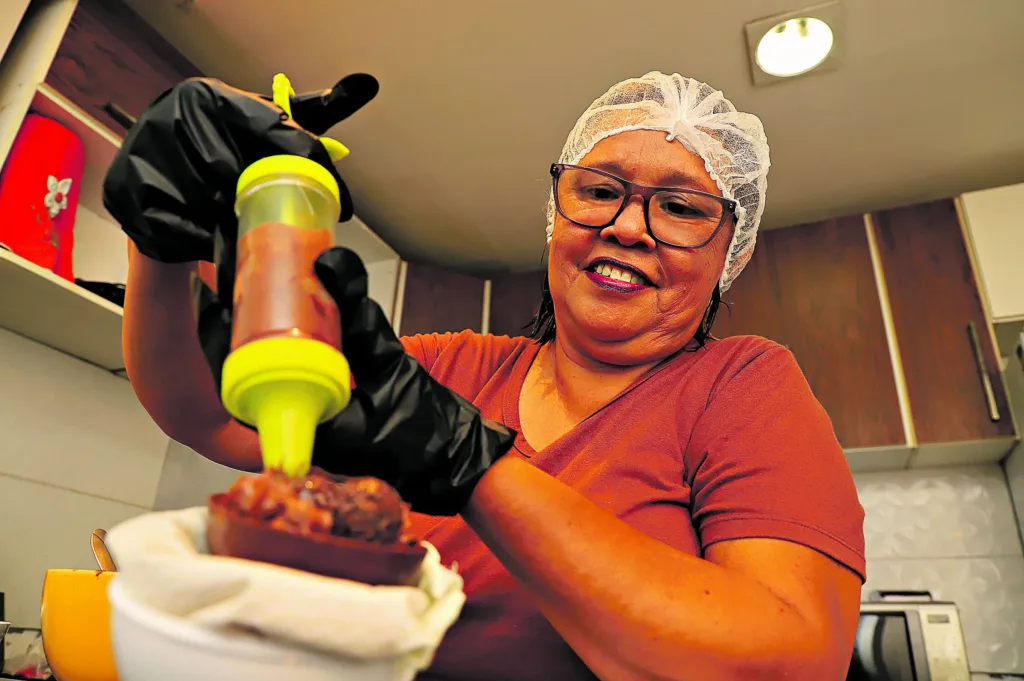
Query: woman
x=668, y=506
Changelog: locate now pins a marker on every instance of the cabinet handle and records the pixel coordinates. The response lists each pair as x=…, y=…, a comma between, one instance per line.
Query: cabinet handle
x=986, y=382
x=119, y=115
x=1020, y=346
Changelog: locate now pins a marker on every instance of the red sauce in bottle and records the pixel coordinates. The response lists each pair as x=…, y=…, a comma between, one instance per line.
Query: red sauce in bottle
x=276, y=292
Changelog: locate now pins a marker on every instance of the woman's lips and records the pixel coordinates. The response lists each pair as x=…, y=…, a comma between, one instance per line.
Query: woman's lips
x=611, y=284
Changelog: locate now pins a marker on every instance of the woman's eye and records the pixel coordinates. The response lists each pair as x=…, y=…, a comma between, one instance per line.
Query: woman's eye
x=680, y=208
x=600, y=193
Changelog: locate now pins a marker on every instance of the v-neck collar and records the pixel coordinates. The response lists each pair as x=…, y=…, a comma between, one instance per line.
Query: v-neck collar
x=514, y=389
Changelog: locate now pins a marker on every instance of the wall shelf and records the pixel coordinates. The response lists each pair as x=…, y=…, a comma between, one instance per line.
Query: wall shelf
x=46, y=308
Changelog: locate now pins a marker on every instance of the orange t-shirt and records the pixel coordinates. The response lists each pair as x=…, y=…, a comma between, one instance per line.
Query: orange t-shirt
x=726, y=442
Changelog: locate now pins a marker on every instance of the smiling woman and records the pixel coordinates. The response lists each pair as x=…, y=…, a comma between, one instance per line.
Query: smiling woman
x=625, y=496
x=693, y=223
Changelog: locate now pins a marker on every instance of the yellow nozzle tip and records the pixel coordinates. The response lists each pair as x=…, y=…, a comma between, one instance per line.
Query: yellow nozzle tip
x=336, y=149
x=287, y=415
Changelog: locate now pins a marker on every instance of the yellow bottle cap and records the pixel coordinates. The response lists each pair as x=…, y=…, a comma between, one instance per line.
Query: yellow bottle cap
x=286, y=164
x=285, y=387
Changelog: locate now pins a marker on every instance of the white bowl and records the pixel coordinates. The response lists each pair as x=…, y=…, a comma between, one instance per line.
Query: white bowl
x=152, y=646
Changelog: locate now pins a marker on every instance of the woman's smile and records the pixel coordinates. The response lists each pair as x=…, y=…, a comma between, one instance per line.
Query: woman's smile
x=617, y=276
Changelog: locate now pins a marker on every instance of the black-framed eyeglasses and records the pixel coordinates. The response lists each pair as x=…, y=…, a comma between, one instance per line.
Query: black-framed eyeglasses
x=685, y=218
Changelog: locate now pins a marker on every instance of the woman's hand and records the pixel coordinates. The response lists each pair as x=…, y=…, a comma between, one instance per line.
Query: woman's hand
x=172, y=183
x=172, y=188
x=401, y=425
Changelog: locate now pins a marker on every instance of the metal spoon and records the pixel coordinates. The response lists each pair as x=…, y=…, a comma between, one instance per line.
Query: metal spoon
x=99, y=550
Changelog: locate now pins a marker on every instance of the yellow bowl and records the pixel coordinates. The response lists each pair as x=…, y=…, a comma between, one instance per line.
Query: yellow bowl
x=76, y=625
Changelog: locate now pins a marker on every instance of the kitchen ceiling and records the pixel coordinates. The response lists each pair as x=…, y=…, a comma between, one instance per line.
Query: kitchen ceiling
x=449, y=163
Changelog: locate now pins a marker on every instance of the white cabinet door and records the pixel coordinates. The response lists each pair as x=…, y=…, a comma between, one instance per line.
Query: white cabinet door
x=382, y=263
x=995, y=219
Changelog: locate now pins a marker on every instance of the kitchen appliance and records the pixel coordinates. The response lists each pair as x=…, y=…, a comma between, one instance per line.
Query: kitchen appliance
x=23, y=655
x=906, y=636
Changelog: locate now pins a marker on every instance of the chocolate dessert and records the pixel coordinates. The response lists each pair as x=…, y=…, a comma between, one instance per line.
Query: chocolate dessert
x=354, y=528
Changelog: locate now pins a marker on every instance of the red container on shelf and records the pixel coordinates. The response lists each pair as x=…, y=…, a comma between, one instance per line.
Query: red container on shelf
x=39, y=189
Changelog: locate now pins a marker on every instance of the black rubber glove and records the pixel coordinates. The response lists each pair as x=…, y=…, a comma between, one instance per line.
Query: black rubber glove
x=172, y=183
x=401, y=425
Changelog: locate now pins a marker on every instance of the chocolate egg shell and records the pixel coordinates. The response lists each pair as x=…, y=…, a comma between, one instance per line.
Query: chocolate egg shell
x=229, y=534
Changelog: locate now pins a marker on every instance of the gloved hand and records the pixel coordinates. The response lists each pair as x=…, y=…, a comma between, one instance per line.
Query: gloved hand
x=401, y=425
x=172, y=183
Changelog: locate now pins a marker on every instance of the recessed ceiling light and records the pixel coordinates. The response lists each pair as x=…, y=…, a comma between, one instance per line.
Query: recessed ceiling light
x=790, y=46
x=794, y=46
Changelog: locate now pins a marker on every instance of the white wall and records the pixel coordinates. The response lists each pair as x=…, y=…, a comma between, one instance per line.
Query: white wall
x=189, y=480
x=11, y=12
x=101, y=248
x=77, y=452
x=953, y=532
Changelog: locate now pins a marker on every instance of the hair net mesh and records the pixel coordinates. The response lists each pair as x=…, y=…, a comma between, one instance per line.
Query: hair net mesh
x=732, y=144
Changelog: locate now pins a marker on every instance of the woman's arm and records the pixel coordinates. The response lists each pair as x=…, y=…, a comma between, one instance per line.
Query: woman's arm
x=772, y=501
x=634, y=608
x=166, y=366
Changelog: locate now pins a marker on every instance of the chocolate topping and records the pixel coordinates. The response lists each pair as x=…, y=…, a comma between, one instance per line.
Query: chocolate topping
x=356, y=508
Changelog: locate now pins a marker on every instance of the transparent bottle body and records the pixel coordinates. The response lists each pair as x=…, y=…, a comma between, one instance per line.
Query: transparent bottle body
x=284, y=222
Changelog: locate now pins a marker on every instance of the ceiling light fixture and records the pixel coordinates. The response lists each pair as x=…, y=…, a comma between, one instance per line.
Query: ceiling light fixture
x=796, y=43
x=794, y=46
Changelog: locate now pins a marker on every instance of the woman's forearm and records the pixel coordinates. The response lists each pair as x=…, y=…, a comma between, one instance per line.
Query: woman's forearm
x=630, y=606
x=166, y=366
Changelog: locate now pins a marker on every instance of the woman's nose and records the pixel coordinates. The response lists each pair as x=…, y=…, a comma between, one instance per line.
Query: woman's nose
x=630, y=228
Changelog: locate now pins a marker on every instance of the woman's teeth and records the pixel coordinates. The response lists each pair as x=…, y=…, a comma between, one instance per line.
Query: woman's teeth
x=606, y=270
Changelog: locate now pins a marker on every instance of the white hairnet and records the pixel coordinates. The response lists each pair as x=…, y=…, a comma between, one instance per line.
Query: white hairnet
x=732, y=144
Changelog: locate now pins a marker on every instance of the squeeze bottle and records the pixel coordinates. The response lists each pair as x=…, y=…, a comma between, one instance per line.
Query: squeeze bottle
x=285, y=373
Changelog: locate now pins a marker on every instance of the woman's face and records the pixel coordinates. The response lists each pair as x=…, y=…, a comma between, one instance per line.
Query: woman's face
x=631, y=328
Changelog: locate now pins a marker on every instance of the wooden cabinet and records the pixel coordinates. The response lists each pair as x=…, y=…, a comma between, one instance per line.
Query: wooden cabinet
x=513, y=302
x=885, y=316
x=437, y=300
x=112, y=64
x=952, y=374
x=812, y=288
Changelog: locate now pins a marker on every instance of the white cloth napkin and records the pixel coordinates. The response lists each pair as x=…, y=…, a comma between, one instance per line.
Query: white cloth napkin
x=164, y=563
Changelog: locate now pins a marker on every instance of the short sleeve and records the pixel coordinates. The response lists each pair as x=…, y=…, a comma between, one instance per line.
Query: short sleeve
x=426, y=348
x=764, y=462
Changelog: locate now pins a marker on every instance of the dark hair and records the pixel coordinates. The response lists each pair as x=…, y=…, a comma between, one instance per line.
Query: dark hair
x=542, y=328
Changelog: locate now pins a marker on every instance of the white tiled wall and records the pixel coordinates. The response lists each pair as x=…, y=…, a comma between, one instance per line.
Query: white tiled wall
x=953, y=532
x=77, y=452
